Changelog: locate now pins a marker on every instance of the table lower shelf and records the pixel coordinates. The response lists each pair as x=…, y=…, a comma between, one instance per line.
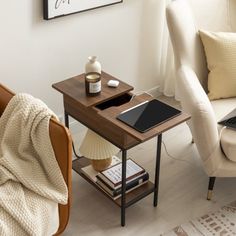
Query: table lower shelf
x=131, y=197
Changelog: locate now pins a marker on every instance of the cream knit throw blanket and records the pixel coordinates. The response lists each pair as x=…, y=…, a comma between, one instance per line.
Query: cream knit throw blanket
x=31, y=183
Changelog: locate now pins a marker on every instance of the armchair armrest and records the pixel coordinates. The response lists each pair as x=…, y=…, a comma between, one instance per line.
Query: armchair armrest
x=195, y=102
x=62, y=146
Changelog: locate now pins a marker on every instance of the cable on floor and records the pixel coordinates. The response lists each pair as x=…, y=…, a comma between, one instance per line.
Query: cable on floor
x=73, y=147
x=174, y=158
x=139, y=93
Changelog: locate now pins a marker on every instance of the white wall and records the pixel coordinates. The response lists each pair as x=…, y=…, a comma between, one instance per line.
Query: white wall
x=36, y=53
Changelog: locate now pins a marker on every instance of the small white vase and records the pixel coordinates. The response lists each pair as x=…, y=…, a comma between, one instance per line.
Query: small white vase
x=93, y=65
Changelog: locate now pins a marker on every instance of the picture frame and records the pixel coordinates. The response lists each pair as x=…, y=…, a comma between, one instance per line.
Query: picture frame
x=58, y=8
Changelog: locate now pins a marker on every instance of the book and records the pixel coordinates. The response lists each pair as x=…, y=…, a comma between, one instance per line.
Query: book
x=127, y=191
x=112, y=175
x=108, y=183
x=140, y=177
x=92, y=174
x=130, y=185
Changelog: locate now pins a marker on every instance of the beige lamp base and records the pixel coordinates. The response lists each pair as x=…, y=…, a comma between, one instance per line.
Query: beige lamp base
x=100, y=165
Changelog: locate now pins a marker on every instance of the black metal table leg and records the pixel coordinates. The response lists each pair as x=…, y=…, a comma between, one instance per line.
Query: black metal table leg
x=157, y=171
x=123, y=184
x=66, y=116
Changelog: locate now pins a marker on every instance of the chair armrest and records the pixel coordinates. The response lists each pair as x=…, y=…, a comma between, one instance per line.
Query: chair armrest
x=194, y=100
x=62, y=146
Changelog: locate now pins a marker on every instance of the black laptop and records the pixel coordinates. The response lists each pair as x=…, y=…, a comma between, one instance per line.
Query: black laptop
x=229, y=120
x=147, y=115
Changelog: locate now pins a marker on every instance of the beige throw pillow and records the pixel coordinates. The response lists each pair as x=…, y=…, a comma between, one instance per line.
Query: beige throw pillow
x=220, y=50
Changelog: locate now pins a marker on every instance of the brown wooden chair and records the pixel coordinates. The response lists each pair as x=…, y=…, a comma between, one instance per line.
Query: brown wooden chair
x=62, y=143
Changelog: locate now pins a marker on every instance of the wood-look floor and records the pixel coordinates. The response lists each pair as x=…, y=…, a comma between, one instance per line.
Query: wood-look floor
x=182, y=192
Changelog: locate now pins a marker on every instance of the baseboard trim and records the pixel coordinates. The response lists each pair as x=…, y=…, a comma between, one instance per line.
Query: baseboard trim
x=154, y=91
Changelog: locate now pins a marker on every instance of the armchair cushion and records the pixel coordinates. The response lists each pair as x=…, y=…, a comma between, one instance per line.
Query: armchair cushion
x=222, y=107
x=220, y=50
x=227, y=140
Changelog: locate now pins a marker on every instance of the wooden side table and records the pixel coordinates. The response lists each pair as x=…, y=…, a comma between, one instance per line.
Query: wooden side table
x=99, y=114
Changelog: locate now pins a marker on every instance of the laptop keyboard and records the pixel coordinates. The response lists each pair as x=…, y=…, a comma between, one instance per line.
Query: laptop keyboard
x=232, y=120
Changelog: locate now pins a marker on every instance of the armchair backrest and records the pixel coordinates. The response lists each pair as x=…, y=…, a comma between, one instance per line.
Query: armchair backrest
x=185, y=18
x=187, y=46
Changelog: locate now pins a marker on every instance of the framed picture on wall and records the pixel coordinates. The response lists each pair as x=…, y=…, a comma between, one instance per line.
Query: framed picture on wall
x=56, y=8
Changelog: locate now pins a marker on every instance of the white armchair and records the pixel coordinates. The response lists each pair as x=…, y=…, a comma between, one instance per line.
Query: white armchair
x=216, y=145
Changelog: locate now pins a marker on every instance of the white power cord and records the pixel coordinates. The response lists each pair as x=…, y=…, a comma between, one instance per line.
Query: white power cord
x=174, y=158
x=138, y=93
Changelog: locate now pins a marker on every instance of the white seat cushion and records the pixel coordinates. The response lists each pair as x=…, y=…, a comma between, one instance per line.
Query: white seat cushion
x=228, y=143
x=228, y=136
x=222, y=107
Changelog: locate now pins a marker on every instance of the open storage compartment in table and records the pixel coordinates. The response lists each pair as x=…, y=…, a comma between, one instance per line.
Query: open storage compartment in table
x=117, y=101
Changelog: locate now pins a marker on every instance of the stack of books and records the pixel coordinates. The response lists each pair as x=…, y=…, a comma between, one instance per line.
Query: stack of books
x=110, y=179
x=90, y=173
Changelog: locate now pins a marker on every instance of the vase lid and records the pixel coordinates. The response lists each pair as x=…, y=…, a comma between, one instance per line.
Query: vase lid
x=92, y=58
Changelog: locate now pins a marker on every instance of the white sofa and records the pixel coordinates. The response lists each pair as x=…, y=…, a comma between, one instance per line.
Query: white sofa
x=216, y=145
